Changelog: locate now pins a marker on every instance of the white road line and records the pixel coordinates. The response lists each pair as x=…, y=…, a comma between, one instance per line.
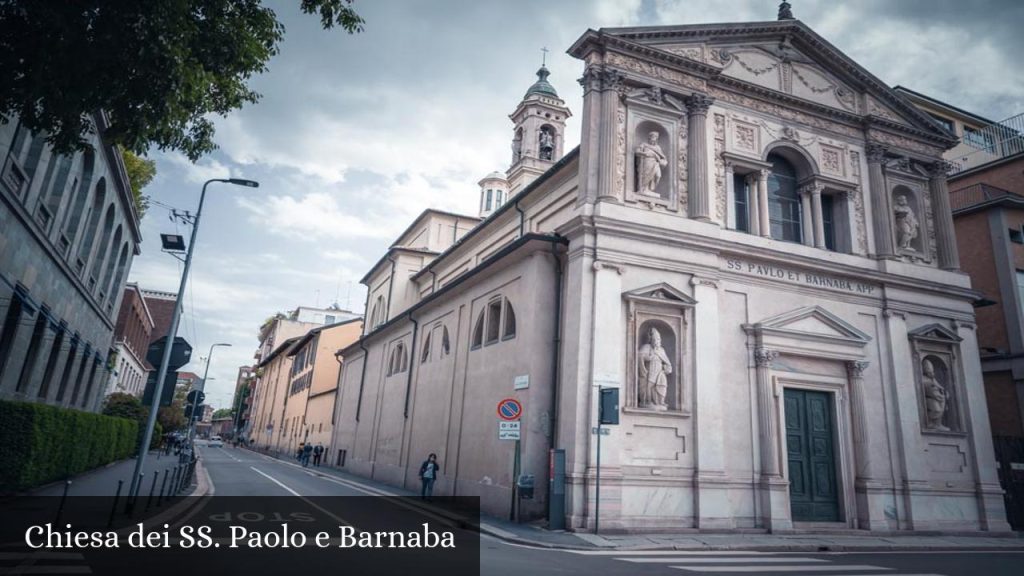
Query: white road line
x=229, y=455
x=786, y=568
x=303, y=498
x=718, y=560
x=42, y=555
x=275, y=481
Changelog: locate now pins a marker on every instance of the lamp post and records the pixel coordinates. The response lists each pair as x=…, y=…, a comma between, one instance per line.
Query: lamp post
x=202, y=388
x=172, y=333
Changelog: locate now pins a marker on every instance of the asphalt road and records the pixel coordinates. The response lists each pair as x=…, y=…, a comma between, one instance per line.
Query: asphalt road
x=244, y=473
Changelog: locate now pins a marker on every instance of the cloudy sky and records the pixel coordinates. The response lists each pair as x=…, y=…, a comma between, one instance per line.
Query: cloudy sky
x=356, y=135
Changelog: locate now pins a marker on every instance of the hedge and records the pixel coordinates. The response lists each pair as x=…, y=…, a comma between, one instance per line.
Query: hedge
x=40, y=443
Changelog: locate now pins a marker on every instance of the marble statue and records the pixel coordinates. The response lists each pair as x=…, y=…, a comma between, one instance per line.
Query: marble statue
x=547, y=144
x=650, y=160
x=655, y=367
x=936, y=399
x=906, y=223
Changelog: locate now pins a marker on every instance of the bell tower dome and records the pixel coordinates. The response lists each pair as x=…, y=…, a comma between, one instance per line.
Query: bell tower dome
x=493, y=193
x=538, y=138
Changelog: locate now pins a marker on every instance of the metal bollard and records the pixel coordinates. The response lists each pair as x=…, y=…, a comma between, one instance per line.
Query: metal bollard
x=149, y=501
x=113, y=507
x=163, y=487
x=63, y=498
x=129, y=503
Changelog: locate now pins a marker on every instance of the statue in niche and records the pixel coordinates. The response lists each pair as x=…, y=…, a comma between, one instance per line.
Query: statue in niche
x=936, y=398
x=654, y=367
x=650, y=161
x=517, y=147
x=547, y=144
x=906, y=223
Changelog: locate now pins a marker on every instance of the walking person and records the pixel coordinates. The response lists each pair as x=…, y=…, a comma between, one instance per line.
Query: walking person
x=318, y=453
x=428, y=473
x=298, y=453
x=307, y=451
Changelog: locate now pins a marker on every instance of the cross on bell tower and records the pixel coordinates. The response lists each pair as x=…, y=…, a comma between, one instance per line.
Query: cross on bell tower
x=538, y=137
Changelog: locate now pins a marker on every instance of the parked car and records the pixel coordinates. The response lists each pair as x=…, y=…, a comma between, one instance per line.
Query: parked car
x=215, y=442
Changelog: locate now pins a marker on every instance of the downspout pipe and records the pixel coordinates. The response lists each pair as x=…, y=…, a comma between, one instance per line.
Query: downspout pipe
x=362, y=377
x=522, y=217
x=557, y=346
x=412, y=364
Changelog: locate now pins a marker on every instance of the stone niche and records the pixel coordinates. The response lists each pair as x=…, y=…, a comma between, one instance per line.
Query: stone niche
x=938, y=379
x=653, y=129
x=909, y=217
x=656, y=344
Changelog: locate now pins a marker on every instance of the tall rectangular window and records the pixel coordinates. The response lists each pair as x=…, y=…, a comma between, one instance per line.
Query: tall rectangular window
x=51, y=364
x=979, y=139
x=742, y=202
x=34, y=344
x=10, y=330
x=1020, y=287
x=69, y=364
x=828, y=206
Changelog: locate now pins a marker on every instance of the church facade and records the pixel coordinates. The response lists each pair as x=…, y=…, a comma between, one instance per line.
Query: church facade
x=753, y=243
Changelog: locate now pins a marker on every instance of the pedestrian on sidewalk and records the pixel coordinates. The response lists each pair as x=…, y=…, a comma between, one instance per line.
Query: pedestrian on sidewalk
x=307, y=451
x=318, y=453
x=298, y=453
x=428, y=473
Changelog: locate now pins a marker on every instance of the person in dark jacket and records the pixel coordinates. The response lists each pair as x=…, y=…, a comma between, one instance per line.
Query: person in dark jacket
x=428, y=474
x=307, y=451
x=318, y=452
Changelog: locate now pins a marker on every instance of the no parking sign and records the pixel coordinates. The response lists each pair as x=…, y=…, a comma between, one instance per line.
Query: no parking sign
x=510, y=409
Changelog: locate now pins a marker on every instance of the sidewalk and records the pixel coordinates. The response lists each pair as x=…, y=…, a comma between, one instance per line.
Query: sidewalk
x=103, y=481
x=536, y=535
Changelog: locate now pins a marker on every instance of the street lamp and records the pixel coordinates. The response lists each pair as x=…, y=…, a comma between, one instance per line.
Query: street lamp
x=192, y=419
x=172, y=333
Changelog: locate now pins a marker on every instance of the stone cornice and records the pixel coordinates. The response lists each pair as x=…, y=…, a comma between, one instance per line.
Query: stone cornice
x=630, y=41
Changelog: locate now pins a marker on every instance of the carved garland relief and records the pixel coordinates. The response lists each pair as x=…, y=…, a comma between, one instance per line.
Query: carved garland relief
x=620, y=150
x=858, y=204
x=746, y=137
x=682, y=169
x=655, y=71
x=832, y=161
x=784, y=112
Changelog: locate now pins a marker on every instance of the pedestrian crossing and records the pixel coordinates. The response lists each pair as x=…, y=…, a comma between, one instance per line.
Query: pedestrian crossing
x=749, y=562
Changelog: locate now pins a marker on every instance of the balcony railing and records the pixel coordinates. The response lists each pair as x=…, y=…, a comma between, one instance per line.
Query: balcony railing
x=991, y=143
x=977, y=194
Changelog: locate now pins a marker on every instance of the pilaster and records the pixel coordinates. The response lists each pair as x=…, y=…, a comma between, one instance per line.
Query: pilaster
x=880, y=202
x=762, y=202
x=698, y=179
x=945, y=237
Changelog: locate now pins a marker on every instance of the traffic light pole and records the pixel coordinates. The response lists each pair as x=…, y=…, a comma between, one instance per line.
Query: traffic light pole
x=172, y=333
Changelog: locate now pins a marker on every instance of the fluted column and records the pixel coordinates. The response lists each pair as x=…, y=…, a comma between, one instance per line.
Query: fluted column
x=753, y=201
x=818, y=217
x=590, y=139
x=762, y=203
x=945, y=237
x=858, y=409
x=611, y=84
x=806, y=217
x=880, y=209
x=769, y=425
x=697, y=156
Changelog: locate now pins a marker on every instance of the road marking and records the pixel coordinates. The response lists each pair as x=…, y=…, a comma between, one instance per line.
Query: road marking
x=229, y=455
x=785, y=568
x=718, y=560
x=303, y=498
x=668, y=553
x=275, y=481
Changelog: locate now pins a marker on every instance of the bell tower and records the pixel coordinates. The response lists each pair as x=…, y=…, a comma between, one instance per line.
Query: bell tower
x=539, y=134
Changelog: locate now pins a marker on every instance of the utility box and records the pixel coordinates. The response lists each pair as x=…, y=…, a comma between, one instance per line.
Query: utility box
x=525, y=484
x=609, y=409
x=556, y=489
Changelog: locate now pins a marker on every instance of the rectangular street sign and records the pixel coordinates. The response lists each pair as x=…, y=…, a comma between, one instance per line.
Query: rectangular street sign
x=601, y=431
x=508, y=430
x=521, y=382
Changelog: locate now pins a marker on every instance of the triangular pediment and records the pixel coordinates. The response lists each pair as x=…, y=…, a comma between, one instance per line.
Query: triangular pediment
x=935, y=333
x=783, y=56
x=812, y=322
x=661, y=293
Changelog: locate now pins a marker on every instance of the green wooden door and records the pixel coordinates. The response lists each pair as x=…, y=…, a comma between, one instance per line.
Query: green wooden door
x=810, y=447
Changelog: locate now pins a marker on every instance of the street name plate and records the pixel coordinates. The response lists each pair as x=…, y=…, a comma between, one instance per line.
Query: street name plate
x=601, y=431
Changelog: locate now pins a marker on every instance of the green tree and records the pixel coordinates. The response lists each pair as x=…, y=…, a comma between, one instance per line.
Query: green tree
x=140, y=173
x=158, y=69
x=222, y=413
x=172, y=418
x=124, y=405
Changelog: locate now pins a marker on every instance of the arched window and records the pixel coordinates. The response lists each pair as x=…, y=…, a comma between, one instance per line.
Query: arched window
x=379, y=314
x=497, y=321
x=783, y=201
x=102, y=248
x=399, y=360
x=74, y=216
x=445, y=342
x=105, y=287
x=53, y=192
x=94, y=219
x=509, y=330
x=425, y=356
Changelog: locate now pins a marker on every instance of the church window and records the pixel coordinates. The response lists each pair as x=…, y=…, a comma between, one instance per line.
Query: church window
x=478, y=332
x=509, y=330
x=828, y=220
x=497, y=199
x=445, y=342
x=489, y=193
x=399, y=361
x=493, y=321
x=783, y=201
x=425, y=356
x=742, y=203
